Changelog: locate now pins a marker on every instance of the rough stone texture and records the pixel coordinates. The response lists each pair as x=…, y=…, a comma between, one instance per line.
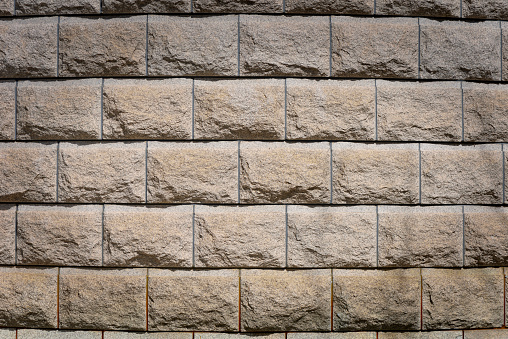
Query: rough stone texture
x=146, y=335
x=410, y=111
x=486, y=334
x=103, y=299
x=45, y=334
x=59, y=110
x=101, y=46
x=381, y=47
x=330, y=6
x=282, y=46
x=29, y=47
x=504, y=52
x=150, y=236
x=285, y=300
x=331, y=236
x=193, y=300
x=376, y=300
x=57, y=7
x=193, y=172
x=239, y=335
x=239, y=109
x=8, y=333
x=7, y=9
x=461, y=299
x=148, y=109
x=375, y=174
x=460, y=50
x=330, y=110
x=284, y=173
x=28, y=172
x=461, y=174
x=7, y=110
x=193, y=45
x=28, y=297
x=103, y=172
x=349, y=335
x=485, y=9
x=7, y=234
x=420, y=236
x=237, y=6
x=146, y=6
x=432, y=8
x=249, y=236
x=421, y=335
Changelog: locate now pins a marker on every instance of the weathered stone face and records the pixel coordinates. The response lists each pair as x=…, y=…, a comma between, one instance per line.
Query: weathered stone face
x=146, y=335
x=433, y=8
x=504, y=52
x=485, y=334
x=421, y=335
x=330, y=6
x=237, y=6
x=7, y=234
x=146, y=6
x=47, y=334
x=6, y=8
x=210, y=335
x=57, y=7
x=7, y=110
x=485, y=9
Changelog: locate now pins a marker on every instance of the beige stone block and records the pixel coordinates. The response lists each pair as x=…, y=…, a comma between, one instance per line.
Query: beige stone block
x=376, y=300
x=148, y=236
x=235, y=6
x=28, y=297
x=285, y=300
x=50, y=334
x=98, y=46
x=59, y=110
x=6, y=9
x=331, y=236
x=486, y=334
x=193, y=300
x=331, y=109
x=148, y=109
x=485, y=9
x=239, y=109
x=269, y=47
x=421, y=335
x=102, y=172
x=193, y=45
x=8, y=333
x=210, y=335
x=432, y=8
x=103, y=299
x=343, y=335
x=427, y=111
x=146, y=6
x=284, y=173
x=365, y=7
x=504, y=52
x=7, y=110
x=57, y=7
x=7, y=234
x=147, y=335
x=193, y=172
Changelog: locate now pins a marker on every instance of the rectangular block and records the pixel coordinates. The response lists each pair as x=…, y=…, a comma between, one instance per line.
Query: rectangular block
x=239, y=109
x=330, y=110
x=485, y=9
x=375, y=47
x=8, y=333
x=51, y=334
x=432, y=8
x=285, y=300
x=284, y=46
x=504, y=52
x=210, y=335
x=148, y=109
x=365, y=7
x=59, y=110
x=98, y=46
x=7, y=234
x=106, y=299
x=57, y=7
x=6, y=7
x=421, y=335
x=149, y=6
x=7, y=110
x=232, y=6
x=486, y=334
x=193, y=172
x=147, y=335
x=342, y=335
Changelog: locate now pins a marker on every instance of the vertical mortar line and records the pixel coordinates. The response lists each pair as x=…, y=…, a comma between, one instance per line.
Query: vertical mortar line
x=146, y=172
x=330, y=51
x=419, y=49
x=284, y=6
x=238, y=165
x=192, y=11
x=238, y=46
x=58, y=48
x=102, y=333
x=192, y=122
x=287, y=232
x=375, y=7
x=193, y=235
x=462, y=107
x=331, y=173
x=375, y=108
x=377, y=236
x=102, y=241
x=102, y=109
x=16, y=235
x=57, y=167
x=16, y=110
x=419, y=174
x=146, y=299
x=285, y=108
x=463, y=237
x=101, y=4
x=146, y=47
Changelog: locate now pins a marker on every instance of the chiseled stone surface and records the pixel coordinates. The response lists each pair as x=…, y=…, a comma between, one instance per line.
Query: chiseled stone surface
x=330, y=6
x=462, y=299
x=269, y=47
x=330, y=109
x=28, y=297
x=57, y=7
x=343, y=335
x=421, y=335
x=239, y=109
x=211, y=335
x=59, y=110
x=376, y=300
x=486, y=334
x=147, y=335
x=148, y=109
x=51, y=334
x=105, y=299
x=485, y=9
x=146, y=6
x=331, y=236
x=285, y=300
x=375, y=47
x=432, y=8
x=7, y=234
x=100, y=46
x=284, y=173
x=193, y=300
x=238, y=6
x=6, y=8
x=148, y=236
x=193, y=172
x=428, y=111
x=7, y=110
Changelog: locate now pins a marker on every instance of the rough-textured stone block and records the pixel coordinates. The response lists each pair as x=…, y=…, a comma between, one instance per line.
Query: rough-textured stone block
x=461, y=299
x=198, y=335
x=148, y=236
x=284, y=173
x=103, y=299
x=410, y=111
x=28, y=297
x=369, y=47
x=249, y=236
x=421, y=335
x=59, y=110
x=193, y=300
x=193, y=172
x=343, y=335
x=105, y=172
x=420, y=236
x=461, y=174
x=193, y=45
x=239, y=109
x=45, y=334
x=7, y=110
x=486, y=334
x=6, y=9
x=8, y=333
x=285, y=300
x=28, y=172
x=146, y=6
x=330, y=6
x=7, y=234
x=148, y=109
x=460, y=50
x=504, y=52
x=331, y=236
x=147, y=335
x=432, y=8
x=375, y=174
x=330, y=110
x=57, y=7
x=283, y=45
x=376, y=300
x=29, y=47
x=102, y=46
x=485, y=9
x=238, y=6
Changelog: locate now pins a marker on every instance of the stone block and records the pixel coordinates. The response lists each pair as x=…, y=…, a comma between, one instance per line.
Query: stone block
x=235, y=6
x=7, y=110
x=8, y=333
x=7, y=234
x=210, y=335
x=486, y=334
x=504, y=52
x=485, y=9
x=360, y=7
x=146, y=6
x=48, y=334
x=421, y=335
x=431, y=8
x=57, y=7
x=6, y=9
x=147, y=335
